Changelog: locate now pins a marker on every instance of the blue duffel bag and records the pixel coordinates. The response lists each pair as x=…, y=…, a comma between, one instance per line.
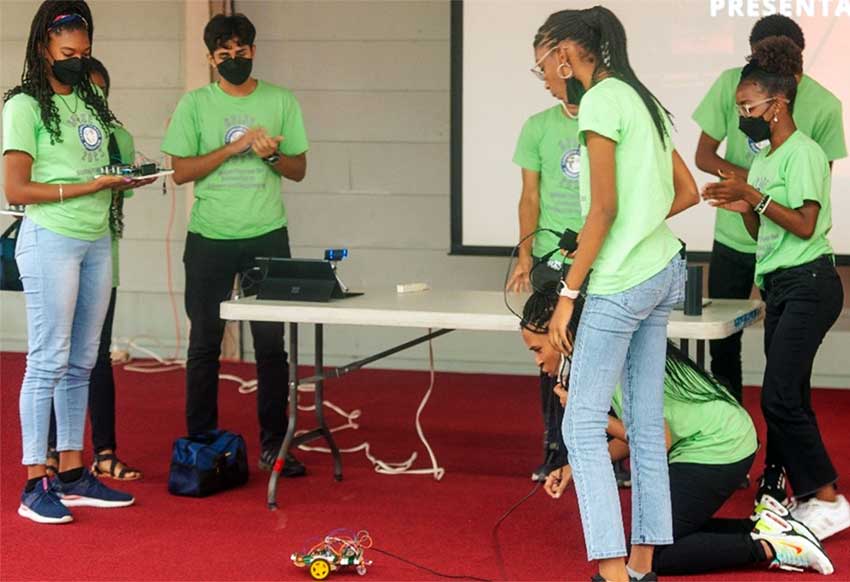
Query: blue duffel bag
x=208, y=463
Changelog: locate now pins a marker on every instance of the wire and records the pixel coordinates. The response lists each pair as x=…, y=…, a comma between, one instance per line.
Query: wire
x=429, y=570
x=543, y=260
x=500, y=561
x=385, y=467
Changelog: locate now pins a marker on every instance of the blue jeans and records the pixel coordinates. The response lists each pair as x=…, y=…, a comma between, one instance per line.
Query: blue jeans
x=622, y=338
x=67, y=283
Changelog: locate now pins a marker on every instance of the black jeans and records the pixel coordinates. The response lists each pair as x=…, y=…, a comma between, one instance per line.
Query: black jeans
x=211, y=265
x=101, y=392
x=802, y=304
x=554, y=450
x=704, y=543
x=730, y=276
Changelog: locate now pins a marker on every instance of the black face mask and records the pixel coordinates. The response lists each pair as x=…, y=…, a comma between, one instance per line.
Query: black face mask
x=70, y=71
x=755, y=128
x=236, y=71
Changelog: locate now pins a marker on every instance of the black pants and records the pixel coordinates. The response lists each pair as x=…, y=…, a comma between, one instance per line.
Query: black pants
x=101, y=392
x=210, y=267
x=730, y=276
x=802, y=304
x=704, y=543
x=554, y=450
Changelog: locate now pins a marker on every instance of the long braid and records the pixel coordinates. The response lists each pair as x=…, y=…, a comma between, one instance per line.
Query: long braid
x=601, y=33
x=35, y=79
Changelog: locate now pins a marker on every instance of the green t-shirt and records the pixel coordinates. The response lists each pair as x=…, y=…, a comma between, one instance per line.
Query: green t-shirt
x=709, y=433
x=817, y=113
x=548, y=145
x=797, y=171
x=639, y=244
x=127, y=149
x=74, y=160
x=241, y=198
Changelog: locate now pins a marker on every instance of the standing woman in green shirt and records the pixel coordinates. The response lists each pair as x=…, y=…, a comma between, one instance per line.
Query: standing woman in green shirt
x=631, y=181
x=547, y=153
x=733, y=256
x=55, y=128
x=785, y=204
x=122, y=150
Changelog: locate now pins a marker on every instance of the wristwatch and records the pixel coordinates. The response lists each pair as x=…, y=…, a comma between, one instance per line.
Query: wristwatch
x=565, y=291
x=272, y=159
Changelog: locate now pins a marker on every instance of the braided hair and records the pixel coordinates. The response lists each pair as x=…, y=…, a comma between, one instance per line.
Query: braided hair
x=35, y=80
x=539, y=307
x=774, y=65
x=685, y=381
x=598, y=31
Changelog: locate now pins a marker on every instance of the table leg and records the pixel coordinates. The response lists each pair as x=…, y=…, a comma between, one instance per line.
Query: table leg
x=271, y=497
x=701, y=353
x=320, y=401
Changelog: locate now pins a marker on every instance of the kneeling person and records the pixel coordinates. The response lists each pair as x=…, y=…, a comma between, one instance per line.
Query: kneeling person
x=711, y=444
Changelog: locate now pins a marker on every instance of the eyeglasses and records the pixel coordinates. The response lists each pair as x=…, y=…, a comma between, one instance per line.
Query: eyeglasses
x=537, y=70
x=746, y=109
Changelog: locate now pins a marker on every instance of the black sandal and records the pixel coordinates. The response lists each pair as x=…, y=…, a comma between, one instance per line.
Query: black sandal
x=113, y=463
x=52, y=468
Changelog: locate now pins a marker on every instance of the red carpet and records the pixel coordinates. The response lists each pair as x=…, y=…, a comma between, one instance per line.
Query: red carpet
x=485, y=431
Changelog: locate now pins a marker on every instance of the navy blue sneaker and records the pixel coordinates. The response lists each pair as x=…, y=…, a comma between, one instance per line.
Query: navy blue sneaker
x=43, y=506
x=88, y=491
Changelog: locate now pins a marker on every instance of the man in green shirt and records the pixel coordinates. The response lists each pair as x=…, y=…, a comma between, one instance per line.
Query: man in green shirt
x=817, y=113
x=235, y=139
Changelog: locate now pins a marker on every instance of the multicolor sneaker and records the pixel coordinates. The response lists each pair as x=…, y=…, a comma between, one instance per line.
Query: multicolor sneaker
x=824, y=518
x=768, y=503
x=772, y=482
x=88, y=491
x=792, y=551
x=42, y=506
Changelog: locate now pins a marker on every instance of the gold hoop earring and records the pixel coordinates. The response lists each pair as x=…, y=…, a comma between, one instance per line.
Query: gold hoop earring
x=562, y=76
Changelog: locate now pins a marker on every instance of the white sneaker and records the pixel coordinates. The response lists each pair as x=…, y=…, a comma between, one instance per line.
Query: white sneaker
x=824, y=518
x=769, y=503
x=792, y=551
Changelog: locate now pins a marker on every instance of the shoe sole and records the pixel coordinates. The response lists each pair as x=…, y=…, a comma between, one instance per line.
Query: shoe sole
x=28, y=513
x=79, y=501
x=268, y=469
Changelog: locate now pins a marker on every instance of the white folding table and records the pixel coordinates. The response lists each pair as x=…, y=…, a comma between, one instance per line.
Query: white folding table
x=443, y=311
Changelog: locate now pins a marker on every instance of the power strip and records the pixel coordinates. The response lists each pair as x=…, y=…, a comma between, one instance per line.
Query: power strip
x=412, y=287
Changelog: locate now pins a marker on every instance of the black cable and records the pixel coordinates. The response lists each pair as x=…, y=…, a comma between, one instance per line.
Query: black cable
x=427, y=569
x=500, y=561
x=513, y=256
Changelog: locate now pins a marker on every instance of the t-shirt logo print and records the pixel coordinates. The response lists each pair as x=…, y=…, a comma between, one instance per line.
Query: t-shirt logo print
x=235, y=132
x=89, y=133
x=570, y=163
x=754, y=147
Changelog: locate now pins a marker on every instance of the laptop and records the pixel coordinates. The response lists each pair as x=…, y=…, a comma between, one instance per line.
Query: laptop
x=299, y=280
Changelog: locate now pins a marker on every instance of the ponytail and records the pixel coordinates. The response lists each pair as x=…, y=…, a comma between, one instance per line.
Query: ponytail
x=600, y=32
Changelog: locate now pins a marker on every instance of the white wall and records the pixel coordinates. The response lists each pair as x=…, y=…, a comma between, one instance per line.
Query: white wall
x=373, y=81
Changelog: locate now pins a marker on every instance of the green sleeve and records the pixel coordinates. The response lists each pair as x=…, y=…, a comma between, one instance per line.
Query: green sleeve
x=805, y=175
x=617, y=402
x=294, y=135
x=829, y=132
x=600, y=114
x=182, y=138
x=713, y=111
x=527, y=153
x=20, y=125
